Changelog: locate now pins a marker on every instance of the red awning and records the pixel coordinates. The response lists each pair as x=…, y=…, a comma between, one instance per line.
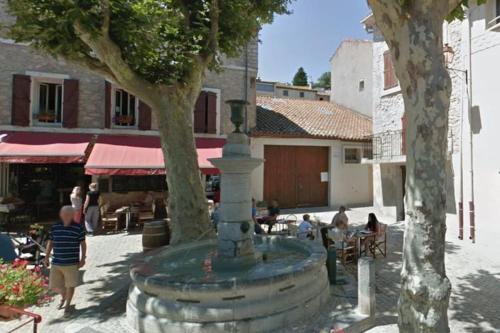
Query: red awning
x=142, y=155
x=43, y=148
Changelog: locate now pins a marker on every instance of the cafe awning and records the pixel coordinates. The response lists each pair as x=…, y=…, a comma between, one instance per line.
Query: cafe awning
x=43, y=147
x=142, y=155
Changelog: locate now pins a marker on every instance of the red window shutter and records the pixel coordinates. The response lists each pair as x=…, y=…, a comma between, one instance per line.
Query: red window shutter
x=144, y=116
x=404, y=123
x=211, y=113
x=200, y=114
x=390, y=79
x=70, y=104
x=21, y=99
x=107, y=105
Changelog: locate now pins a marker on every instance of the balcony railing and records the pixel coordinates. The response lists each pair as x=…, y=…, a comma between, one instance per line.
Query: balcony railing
x=385, y=146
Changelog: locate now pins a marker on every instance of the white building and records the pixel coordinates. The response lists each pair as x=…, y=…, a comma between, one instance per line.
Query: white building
x=352, y=75
x=482, y=28
x=284, y=90
x=313, y=154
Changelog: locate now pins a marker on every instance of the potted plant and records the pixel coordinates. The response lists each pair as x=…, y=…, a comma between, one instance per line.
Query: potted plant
x=46, y=117
x=125, y=120
x=20, y=288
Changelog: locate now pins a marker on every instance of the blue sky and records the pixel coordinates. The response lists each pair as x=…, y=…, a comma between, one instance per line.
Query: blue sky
x=308, y=37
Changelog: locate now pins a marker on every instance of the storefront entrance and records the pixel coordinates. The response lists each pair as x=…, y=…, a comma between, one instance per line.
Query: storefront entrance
x=44, y=188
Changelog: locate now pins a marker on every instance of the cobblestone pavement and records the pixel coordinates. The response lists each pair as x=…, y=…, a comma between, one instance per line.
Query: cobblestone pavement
x=474, y=271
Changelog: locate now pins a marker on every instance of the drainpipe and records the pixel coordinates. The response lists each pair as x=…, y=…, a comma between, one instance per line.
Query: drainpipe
x=472, y=213
x=245, y=86
x=461, y=202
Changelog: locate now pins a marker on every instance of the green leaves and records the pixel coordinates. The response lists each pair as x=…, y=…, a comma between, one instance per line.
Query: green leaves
x=159, y=39
x=458, y=13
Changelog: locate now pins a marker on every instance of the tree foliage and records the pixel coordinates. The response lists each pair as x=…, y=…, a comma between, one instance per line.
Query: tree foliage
x=324, y=81
x=159, y=39
x=300, y=78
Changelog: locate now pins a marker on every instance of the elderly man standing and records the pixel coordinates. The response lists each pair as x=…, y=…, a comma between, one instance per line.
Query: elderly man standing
x=66, y=238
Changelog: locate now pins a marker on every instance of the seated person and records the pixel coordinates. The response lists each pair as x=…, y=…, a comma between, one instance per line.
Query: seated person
x=373, y=225
x=257, y=228
x=340, y=236
x=273, y=212
x=305, y=228
x=340, y=220
x=7, y=249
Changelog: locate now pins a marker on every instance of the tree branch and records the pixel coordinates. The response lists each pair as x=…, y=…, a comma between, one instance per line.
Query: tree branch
x=110, y=54
x=93, y=65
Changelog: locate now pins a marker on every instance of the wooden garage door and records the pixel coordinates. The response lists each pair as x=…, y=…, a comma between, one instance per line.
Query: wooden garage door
x=292, y=175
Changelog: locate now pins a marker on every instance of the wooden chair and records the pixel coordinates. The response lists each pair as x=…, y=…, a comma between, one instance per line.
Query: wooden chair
x=108, y=218
x=348, y=252
x=380, y=242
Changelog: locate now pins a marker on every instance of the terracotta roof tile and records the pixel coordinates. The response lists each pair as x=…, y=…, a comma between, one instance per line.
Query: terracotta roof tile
x=280, y=117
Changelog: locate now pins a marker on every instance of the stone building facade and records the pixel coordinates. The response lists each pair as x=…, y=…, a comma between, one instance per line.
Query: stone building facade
x=474, y=74
x=96, y=107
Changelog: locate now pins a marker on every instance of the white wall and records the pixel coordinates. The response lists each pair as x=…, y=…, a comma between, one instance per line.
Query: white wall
x=350, y=184
x=388, y=109
x=352, y=63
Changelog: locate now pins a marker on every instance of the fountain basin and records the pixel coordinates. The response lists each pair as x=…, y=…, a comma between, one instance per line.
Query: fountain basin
x=176, y=289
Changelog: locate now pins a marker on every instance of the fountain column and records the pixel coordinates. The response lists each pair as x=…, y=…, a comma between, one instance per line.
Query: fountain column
x=236, y=228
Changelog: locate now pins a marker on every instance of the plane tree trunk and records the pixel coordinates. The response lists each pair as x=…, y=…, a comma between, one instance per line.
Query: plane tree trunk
x=187, y=202
x=414, y=35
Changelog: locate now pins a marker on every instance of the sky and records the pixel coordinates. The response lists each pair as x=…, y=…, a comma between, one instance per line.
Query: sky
x=308, y=37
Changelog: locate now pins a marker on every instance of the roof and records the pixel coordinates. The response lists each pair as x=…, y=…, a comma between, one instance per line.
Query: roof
x=299, y=118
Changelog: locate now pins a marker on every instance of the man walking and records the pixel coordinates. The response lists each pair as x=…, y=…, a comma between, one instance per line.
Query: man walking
x=66, y=238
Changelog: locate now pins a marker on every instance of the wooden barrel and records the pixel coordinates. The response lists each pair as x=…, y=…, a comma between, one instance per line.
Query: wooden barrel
x=155, y=234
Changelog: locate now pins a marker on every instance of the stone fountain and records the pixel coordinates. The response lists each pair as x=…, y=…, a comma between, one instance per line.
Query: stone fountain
x=237, y=283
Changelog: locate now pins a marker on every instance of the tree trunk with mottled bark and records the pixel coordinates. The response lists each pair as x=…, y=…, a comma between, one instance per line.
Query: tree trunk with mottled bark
x=187, y=202
x=414, y=35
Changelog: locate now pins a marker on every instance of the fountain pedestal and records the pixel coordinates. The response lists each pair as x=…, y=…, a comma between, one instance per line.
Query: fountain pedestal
x=218, y=286
x=236, y=228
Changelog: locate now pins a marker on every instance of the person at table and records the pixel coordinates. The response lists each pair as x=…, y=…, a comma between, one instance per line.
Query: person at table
x=91, y=209
x=340, y=220
x=372, y=226
x=305, y=228
x=273, y=212
x=257, y=228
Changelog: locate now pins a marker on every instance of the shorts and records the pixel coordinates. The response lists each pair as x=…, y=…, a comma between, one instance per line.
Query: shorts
x=62, y=277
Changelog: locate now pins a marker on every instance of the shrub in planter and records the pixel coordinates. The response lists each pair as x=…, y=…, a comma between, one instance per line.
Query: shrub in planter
x=21, y=287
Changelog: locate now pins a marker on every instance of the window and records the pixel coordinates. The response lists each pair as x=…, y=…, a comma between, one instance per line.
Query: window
x=301, y=94
x=361, y=85
x=285, y=92
x=352, y=155
x=205, y=117
x=125, y=109
x=390, y=80
x=47, y=108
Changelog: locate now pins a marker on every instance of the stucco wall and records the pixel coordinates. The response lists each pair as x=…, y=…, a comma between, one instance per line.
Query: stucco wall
x=294, y=93
x=349, y=184
x=486, y=163
x=352, y=63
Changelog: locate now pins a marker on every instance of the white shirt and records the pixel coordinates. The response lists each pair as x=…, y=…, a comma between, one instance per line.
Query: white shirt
x=76, y=202
x=304, y=228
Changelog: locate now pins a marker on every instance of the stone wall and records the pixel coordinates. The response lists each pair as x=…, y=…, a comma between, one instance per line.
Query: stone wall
x=19, y=59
